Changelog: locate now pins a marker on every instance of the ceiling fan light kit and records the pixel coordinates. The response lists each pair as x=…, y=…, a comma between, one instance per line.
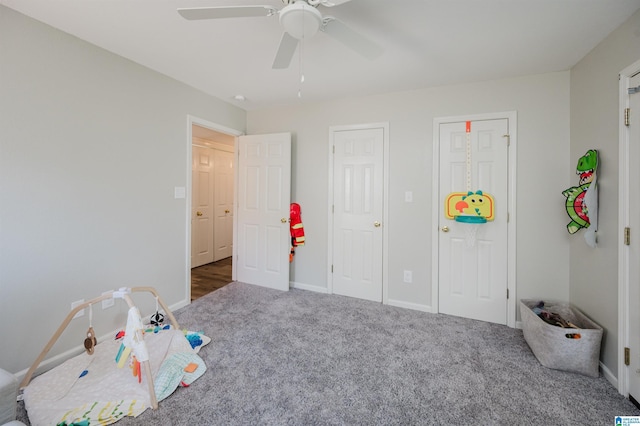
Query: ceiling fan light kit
x=300, y=20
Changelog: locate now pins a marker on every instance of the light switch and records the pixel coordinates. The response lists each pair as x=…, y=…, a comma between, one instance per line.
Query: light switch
x=408, y=196
x=179, y=192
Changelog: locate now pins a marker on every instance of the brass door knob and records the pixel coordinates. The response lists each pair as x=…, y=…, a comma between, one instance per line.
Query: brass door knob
x=376, y=224
x=198, y=213
x=283, y=220
x=226, y=211
x=445, y=228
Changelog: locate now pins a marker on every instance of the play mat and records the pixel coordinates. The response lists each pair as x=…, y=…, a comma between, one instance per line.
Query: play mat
x=123, y=376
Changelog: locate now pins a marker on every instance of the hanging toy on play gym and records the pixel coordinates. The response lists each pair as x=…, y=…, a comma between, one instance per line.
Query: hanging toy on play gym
x=296, y=228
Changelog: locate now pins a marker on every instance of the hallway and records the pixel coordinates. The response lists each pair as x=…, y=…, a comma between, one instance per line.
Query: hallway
x=210, y=277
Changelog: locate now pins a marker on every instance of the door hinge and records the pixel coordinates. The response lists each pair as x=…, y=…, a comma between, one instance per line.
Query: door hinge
x=334, y=149
x=508, y=217
x=508, y=139
x=332, y=269
x=627, y=236
x=627, y=356
x=507, y=293
x=627, y=112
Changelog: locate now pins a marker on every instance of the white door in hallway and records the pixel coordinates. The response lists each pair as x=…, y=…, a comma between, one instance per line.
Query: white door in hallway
x=473, y=278
x=633, y=248
x=264, y=191
x=201, y=206
x=223, y=204
x=358, y=200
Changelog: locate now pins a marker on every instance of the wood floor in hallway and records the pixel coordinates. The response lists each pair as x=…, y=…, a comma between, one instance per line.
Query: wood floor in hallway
x=210, y=277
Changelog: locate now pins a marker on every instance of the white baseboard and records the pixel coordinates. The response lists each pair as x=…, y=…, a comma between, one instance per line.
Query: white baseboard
x=180, y=304
x=519, y=325
x=51, y=362
x=409, y=305
x=309, y=287
x=609, y=375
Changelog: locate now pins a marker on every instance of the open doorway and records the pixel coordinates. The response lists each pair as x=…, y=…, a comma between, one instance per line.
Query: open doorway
x=212, y=208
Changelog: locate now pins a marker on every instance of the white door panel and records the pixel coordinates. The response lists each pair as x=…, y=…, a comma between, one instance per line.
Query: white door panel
x=358, y=210
x=202, y=207
x=223, y=204
x=263, y=210
x=473, y=275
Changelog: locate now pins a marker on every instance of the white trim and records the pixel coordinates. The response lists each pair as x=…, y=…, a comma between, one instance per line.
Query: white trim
x=623, y=221
x=191, y=120
x=512, y=118
x=609, y=375
x=409, y=305
x=308, y=287
x=385, y=204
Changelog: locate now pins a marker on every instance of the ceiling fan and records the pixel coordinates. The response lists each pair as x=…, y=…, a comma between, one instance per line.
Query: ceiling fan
x=300, y=19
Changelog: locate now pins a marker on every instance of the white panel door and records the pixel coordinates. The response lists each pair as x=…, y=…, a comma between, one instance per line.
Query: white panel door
x=223, y=204
x=264, y=180
x=201, y=207
x=358, y=208
x=473, y=277
x=634, y=246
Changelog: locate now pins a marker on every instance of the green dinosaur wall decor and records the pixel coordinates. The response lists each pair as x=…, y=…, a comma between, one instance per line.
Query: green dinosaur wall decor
x=581, y=202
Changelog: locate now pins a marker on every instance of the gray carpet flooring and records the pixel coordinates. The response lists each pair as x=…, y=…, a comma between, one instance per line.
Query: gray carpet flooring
x=303, y=358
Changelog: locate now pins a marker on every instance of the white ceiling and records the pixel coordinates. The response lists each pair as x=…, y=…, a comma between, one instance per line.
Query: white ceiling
x=426, y=43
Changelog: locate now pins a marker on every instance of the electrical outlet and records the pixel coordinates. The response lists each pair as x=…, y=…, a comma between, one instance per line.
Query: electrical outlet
x=107, y=303
x=408, y=276
x=80, y=313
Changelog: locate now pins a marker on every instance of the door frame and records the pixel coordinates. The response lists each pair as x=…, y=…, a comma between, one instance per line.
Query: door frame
x=512, y=117
x=191, y=120
x=623, y=221
x=385, y=204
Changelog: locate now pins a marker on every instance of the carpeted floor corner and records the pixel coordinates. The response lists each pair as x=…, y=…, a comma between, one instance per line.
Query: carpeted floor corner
x=303, y=358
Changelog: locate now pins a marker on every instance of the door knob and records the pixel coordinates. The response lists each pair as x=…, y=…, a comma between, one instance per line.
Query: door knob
x=283, y=220
x=445, y=228
x=226, y=211
x=376, y=224
x=198, y=213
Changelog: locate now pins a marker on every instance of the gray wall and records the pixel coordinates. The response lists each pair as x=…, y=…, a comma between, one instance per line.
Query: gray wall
x=542, y=103
x=594, y=124
x=91, y=148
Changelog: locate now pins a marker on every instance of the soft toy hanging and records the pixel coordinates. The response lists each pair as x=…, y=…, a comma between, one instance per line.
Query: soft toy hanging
x=296, y=228
x=90, y=342
x=133, y=344
x=582, y=200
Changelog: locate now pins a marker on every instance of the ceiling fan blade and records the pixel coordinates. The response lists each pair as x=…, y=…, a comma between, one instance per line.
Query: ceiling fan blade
x=331, y=3
x=350, y=38
x=219, y=12
x=287, y=48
